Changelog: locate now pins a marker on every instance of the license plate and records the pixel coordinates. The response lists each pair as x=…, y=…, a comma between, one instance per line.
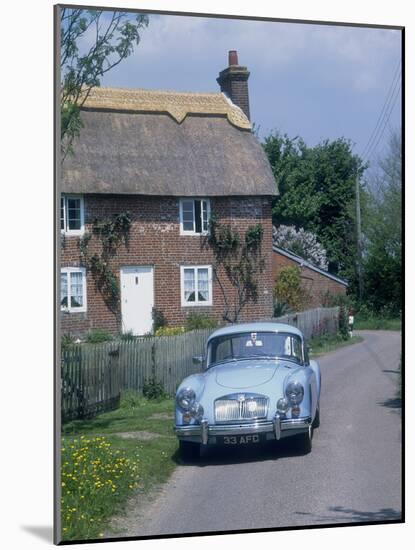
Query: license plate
x=240, y=439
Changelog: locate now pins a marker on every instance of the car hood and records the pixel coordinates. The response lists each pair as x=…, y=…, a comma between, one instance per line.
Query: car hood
x=247, y=374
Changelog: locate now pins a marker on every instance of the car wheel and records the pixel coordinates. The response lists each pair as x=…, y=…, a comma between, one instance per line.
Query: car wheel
x=189, y=450
x=305, y=441
x=316, y=421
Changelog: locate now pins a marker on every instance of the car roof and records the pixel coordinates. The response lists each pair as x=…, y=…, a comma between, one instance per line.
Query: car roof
x=268, y=326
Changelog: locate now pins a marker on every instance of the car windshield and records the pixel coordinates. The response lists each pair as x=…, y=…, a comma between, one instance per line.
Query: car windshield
x=244, y=345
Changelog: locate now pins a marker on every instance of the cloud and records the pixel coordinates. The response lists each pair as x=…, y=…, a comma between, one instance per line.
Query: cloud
x=355, y=56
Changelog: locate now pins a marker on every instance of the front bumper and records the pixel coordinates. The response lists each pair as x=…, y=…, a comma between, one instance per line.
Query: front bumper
x=276, y=428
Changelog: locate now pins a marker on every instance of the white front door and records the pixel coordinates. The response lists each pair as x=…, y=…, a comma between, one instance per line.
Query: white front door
x=137, y=299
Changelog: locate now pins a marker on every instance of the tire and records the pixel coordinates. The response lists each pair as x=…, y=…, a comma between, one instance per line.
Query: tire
x=305, y=440
x=316, y=421
x=189, y=451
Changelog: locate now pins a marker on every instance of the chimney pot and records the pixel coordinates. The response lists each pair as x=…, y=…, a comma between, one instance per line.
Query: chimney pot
x=233, y=82
x=233, y=57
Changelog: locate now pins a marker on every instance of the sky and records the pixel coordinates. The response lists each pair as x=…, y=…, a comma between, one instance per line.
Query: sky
x=314, y=81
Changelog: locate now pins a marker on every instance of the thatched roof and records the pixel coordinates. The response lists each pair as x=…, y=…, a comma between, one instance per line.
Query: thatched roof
x=165, y=143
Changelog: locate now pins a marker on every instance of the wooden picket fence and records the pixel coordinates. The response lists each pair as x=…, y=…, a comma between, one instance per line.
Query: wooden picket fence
x=313, y=322
x=94, y=375
x=90, y=380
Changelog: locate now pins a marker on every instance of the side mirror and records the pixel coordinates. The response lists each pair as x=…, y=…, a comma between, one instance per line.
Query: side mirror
x=198, y=360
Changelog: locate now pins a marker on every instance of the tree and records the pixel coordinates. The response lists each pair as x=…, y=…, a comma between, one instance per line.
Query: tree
x=92, y=43
x=301, y=242
x=317, y=193
x=240, y=260
x=383, y=232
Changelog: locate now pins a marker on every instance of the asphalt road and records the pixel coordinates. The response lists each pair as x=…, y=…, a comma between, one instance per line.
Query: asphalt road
x=353, y=473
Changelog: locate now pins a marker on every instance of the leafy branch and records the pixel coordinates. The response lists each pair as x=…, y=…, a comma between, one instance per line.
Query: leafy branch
x=92, y=43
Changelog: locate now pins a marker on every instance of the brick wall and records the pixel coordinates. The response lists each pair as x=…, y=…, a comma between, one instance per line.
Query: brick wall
x=315, y=283
x=155, y=240
x=233, y=82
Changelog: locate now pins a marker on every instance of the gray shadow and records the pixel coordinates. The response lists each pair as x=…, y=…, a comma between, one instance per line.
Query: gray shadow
x=348, y=515
x=392, y=403
x=43, y=532
x=217, y=455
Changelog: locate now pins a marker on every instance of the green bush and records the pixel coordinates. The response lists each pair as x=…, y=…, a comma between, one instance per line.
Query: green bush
x=169, y=331
x=127, y=336
x=153, y=389
x=98, y=335
x=344, y=322
x=159, y=321
x=280, y=308
x=196, y=321
x=289, y=290
x=329, y=299
x=67, y=341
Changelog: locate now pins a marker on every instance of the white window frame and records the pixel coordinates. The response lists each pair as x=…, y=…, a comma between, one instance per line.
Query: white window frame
x=196, y=303
x=68, y=271
x=65, y=230
x=193, y=232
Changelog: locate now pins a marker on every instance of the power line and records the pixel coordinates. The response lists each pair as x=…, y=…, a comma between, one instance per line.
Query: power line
x=386, y=120
x=382, y=113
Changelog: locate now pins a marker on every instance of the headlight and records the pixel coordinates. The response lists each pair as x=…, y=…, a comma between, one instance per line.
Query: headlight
x=295, y=393
x=185, y=398
x=196, y=410
x=282, y=405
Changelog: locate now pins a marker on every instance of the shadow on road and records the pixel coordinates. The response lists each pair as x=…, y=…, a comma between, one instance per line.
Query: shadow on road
x=340, y=514
x=392, y=403
x=216, y=455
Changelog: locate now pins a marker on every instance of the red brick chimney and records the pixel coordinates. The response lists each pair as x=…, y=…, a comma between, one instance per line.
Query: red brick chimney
x=233, y=82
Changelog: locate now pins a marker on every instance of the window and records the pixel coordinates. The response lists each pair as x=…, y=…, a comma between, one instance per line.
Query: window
x=72, y=214
x=259, y=344
x=194, y=216
x=73, y=289
x=196, y=285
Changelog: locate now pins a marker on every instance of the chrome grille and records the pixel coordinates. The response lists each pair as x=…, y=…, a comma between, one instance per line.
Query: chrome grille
x=239, y=407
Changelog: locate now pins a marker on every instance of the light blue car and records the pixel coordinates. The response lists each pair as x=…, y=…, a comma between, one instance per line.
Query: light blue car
x=257, y=384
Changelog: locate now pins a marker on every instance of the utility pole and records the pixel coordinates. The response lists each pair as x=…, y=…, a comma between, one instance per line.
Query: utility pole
x=359, y=240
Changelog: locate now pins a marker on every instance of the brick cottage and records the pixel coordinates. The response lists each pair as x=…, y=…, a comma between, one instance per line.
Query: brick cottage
x=170, y=160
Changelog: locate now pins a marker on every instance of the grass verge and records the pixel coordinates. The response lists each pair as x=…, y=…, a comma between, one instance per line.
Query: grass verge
x=101, y=467
x=330, y=342
x=376, y=323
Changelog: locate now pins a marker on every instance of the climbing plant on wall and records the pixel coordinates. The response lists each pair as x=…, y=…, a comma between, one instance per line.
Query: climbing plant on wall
x=241, y=261
x=109, y=234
